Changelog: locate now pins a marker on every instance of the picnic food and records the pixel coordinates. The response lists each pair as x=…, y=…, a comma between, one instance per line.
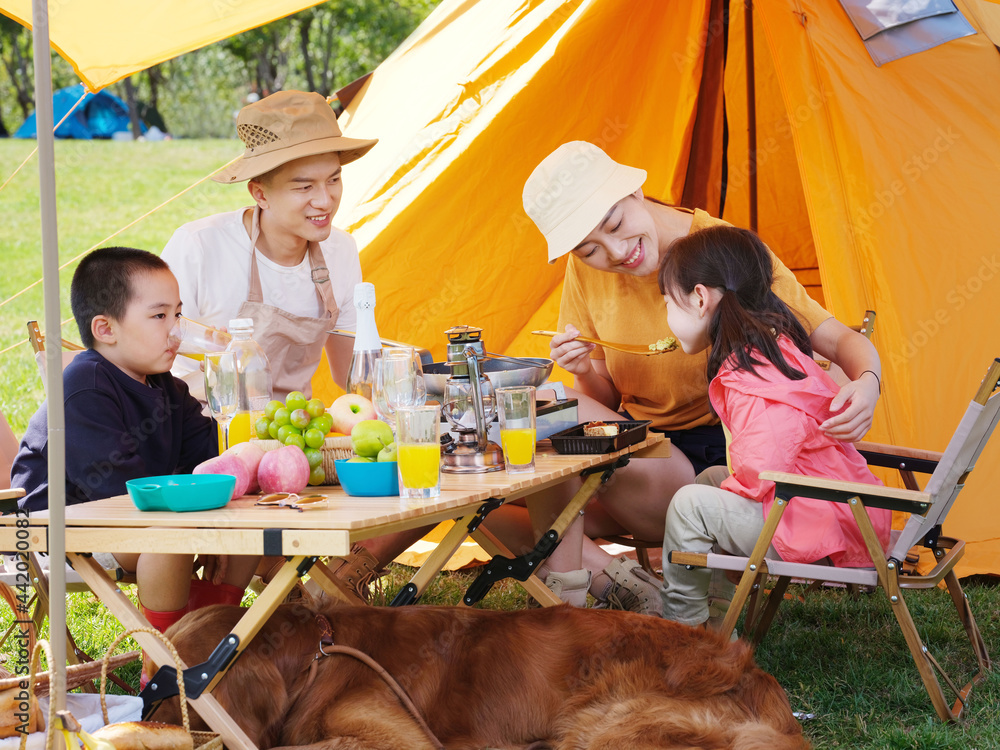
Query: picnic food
x=600, y=429
x=284, y=470
x=664, y=345
x=250, y=454
x=348, y=410
x=369, y=437
x=145, y=735
x=230, y=464
x=388, y=453
x=300, y=423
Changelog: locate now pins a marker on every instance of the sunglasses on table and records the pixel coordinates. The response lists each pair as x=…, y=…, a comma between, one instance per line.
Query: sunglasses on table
x=292, y=500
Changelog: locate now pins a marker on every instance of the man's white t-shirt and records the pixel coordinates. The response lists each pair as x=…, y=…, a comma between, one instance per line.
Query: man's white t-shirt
x=211, y=259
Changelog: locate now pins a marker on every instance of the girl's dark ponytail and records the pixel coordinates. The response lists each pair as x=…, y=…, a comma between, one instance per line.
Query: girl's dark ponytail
x=749, y=316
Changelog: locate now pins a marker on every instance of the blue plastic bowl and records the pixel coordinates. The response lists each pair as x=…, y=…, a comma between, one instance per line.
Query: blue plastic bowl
x=368, y=479
x=181, y=492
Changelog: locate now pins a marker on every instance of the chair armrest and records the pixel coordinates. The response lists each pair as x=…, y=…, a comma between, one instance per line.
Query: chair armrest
x=872, y=495
x=899, y=457
x=12, y=494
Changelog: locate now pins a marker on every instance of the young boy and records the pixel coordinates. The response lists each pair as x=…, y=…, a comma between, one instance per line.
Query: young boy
x=128, y=417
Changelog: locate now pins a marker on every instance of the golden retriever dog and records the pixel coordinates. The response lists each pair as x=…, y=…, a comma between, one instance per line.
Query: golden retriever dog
x=558, y=677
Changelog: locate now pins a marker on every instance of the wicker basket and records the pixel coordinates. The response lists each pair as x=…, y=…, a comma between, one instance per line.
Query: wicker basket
x=333, y=448
x=200, y=740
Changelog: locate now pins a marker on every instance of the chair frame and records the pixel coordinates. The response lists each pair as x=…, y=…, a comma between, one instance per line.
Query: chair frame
x=927, y=509
x=37, y=339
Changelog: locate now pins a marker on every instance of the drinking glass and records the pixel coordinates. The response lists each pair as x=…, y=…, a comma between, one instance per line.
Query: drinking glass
x=222, y=389
x=517, y=427
x=418, y=445
x=395, y=383
x=196, y=339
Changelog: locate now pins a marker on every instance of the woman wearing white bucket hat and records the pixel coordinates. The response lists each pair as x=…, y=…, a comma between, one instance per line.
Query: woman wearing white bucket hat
x=592, y=208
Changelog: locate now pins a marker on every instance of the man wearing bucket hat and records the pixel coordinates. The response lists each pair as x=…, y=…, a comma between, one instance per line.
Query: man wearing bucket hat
x=281, y=261
x=591, y=208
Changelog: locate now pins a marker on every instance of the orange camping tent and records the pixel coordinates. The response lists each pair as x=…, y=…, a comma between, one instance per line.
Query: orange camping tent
x=874, y=184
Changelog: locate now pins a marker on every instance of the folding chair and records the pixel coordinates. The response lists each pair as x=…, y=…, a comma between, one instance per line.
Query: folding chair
x=928, y=510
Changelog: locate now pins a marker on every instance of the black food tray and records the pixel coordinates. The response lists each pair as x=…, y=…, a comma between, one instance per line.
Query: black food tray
x=574, y=441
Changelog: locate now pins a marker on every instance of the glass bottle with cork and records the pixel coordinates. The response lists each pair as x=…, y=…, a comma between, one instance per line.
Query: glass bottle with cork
x=367, y=344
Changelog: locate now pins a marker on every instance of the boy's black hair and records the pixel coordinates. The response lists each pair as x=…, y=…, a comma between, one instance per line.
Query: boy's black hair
x=102, y=284
x=750, y=316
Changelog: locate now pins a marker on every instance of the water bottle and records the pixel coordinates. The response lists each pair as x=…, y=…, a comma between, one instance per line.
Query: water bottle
x=254, y=373
x=367, y=344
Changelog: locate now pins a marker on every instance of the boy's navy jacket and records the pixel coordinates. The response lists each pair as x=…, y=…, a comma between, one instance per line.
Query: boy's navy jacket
x=116, y=429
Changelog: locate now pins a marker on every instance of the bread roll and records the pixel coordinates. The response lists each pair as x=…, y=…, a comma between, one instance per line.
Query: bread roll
x=145, y=735
x=600, y=429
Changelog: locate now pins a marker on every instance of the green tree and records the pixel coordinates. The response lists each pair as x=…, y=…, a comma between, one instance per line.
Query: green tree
x=15, y=54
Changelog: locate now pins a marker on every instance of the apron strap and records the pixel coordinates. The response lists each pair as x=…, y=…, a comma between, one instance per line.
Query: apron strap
x=320, y=273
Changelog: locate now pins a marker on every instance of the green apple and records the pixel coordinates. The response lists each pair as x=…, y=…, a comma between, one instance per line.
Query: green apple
x=360, y=460
x=388, y=453
x=370, y=436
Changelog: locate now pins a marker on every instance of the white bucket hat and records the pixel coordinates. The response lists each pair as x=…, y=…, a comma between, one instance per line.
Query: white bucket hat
x=572, y=189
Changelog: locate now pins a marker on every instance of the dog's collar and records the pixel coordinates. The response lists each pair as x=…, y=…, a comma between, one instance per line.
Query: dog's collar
x=325, y=636
x=325, y=639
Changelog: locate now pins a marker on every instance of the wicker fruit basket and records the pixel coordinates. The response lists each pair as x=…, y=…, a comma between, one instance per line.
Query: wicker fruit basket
x=333, y=448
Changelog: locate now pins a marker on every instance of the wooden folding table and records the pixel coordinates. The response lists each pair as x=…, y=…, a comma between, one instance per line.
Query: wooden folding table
x=242, y=528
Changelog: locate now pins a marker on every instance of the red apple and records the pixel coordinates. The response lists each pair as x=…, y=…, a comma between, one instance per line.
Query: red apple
x=228, y=464
x=250, y=454
x=283, y=470
x=348, y=410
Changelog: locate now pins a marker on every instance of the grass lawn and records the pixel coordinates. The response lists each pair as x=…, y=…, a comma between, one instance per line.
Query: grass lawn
x=102, y=186
x=839, y=658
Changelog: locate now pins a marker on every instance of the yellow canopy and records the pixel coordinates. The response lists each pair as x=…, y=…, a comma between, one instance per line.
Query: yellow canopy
x=875, y=184
x=107, y=40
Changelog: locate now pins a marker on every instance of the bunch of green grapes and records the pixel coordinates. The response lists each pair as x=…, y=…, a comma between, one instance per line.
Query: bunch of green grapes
x=299, y=422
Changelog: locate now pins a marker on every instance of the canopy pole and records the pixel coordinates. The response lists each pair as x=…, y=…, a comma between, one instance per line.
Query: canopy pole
x=751, y=110
x=53, y=353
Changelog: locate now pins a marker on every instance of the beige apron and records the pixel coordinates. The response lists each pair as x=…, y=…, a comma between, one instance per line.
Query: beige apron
x=293, y=343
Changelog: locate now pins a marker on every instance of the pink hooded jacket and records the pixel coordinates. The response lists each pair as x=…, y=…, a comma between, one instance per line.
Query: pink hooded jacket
x=775, y=424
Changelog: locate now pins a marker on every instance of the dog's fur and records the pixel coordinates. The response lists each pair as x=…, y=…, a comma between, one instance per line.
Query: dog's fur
x=559, y=677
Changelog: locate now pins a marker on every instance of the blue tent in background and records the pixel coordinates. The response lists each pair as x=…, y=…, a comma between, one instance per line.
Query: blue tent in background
x=98, y=116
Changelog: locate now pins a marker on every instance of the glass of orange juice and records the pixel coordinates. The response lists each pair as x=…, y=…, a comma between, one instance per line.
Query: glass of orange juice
x=517, y=427
x=418, y=445
x=197, y=339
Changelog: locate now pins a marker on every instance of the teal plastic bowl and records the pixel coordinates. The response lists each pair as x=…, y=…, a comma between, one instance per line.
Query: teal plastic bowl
x=370, y=479
x=181, y=492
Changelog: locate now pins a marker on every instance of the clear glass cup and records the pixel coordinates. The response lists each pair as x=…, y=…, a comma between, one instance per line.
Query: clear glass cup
x=517, y=427
x=418, y=446
x=197, y=339
x=222, y=389
x=396, y=383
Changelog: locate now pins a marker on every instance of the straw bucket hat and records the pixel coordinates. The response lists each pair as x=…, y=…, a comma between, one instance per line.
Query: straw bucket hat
x=572, y=189
x=285, y=126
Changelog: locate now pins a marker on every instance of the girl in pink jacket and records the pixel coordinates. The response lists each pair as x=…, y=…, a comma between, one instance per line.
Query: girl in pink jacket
x=771, y=398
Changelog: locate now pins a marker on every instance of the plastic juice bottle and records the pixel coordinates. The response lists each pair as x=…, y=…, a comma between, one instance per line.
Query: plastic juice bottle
x=254, y=373
x=419, y=465
x=518, y=445
x=367, y=344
